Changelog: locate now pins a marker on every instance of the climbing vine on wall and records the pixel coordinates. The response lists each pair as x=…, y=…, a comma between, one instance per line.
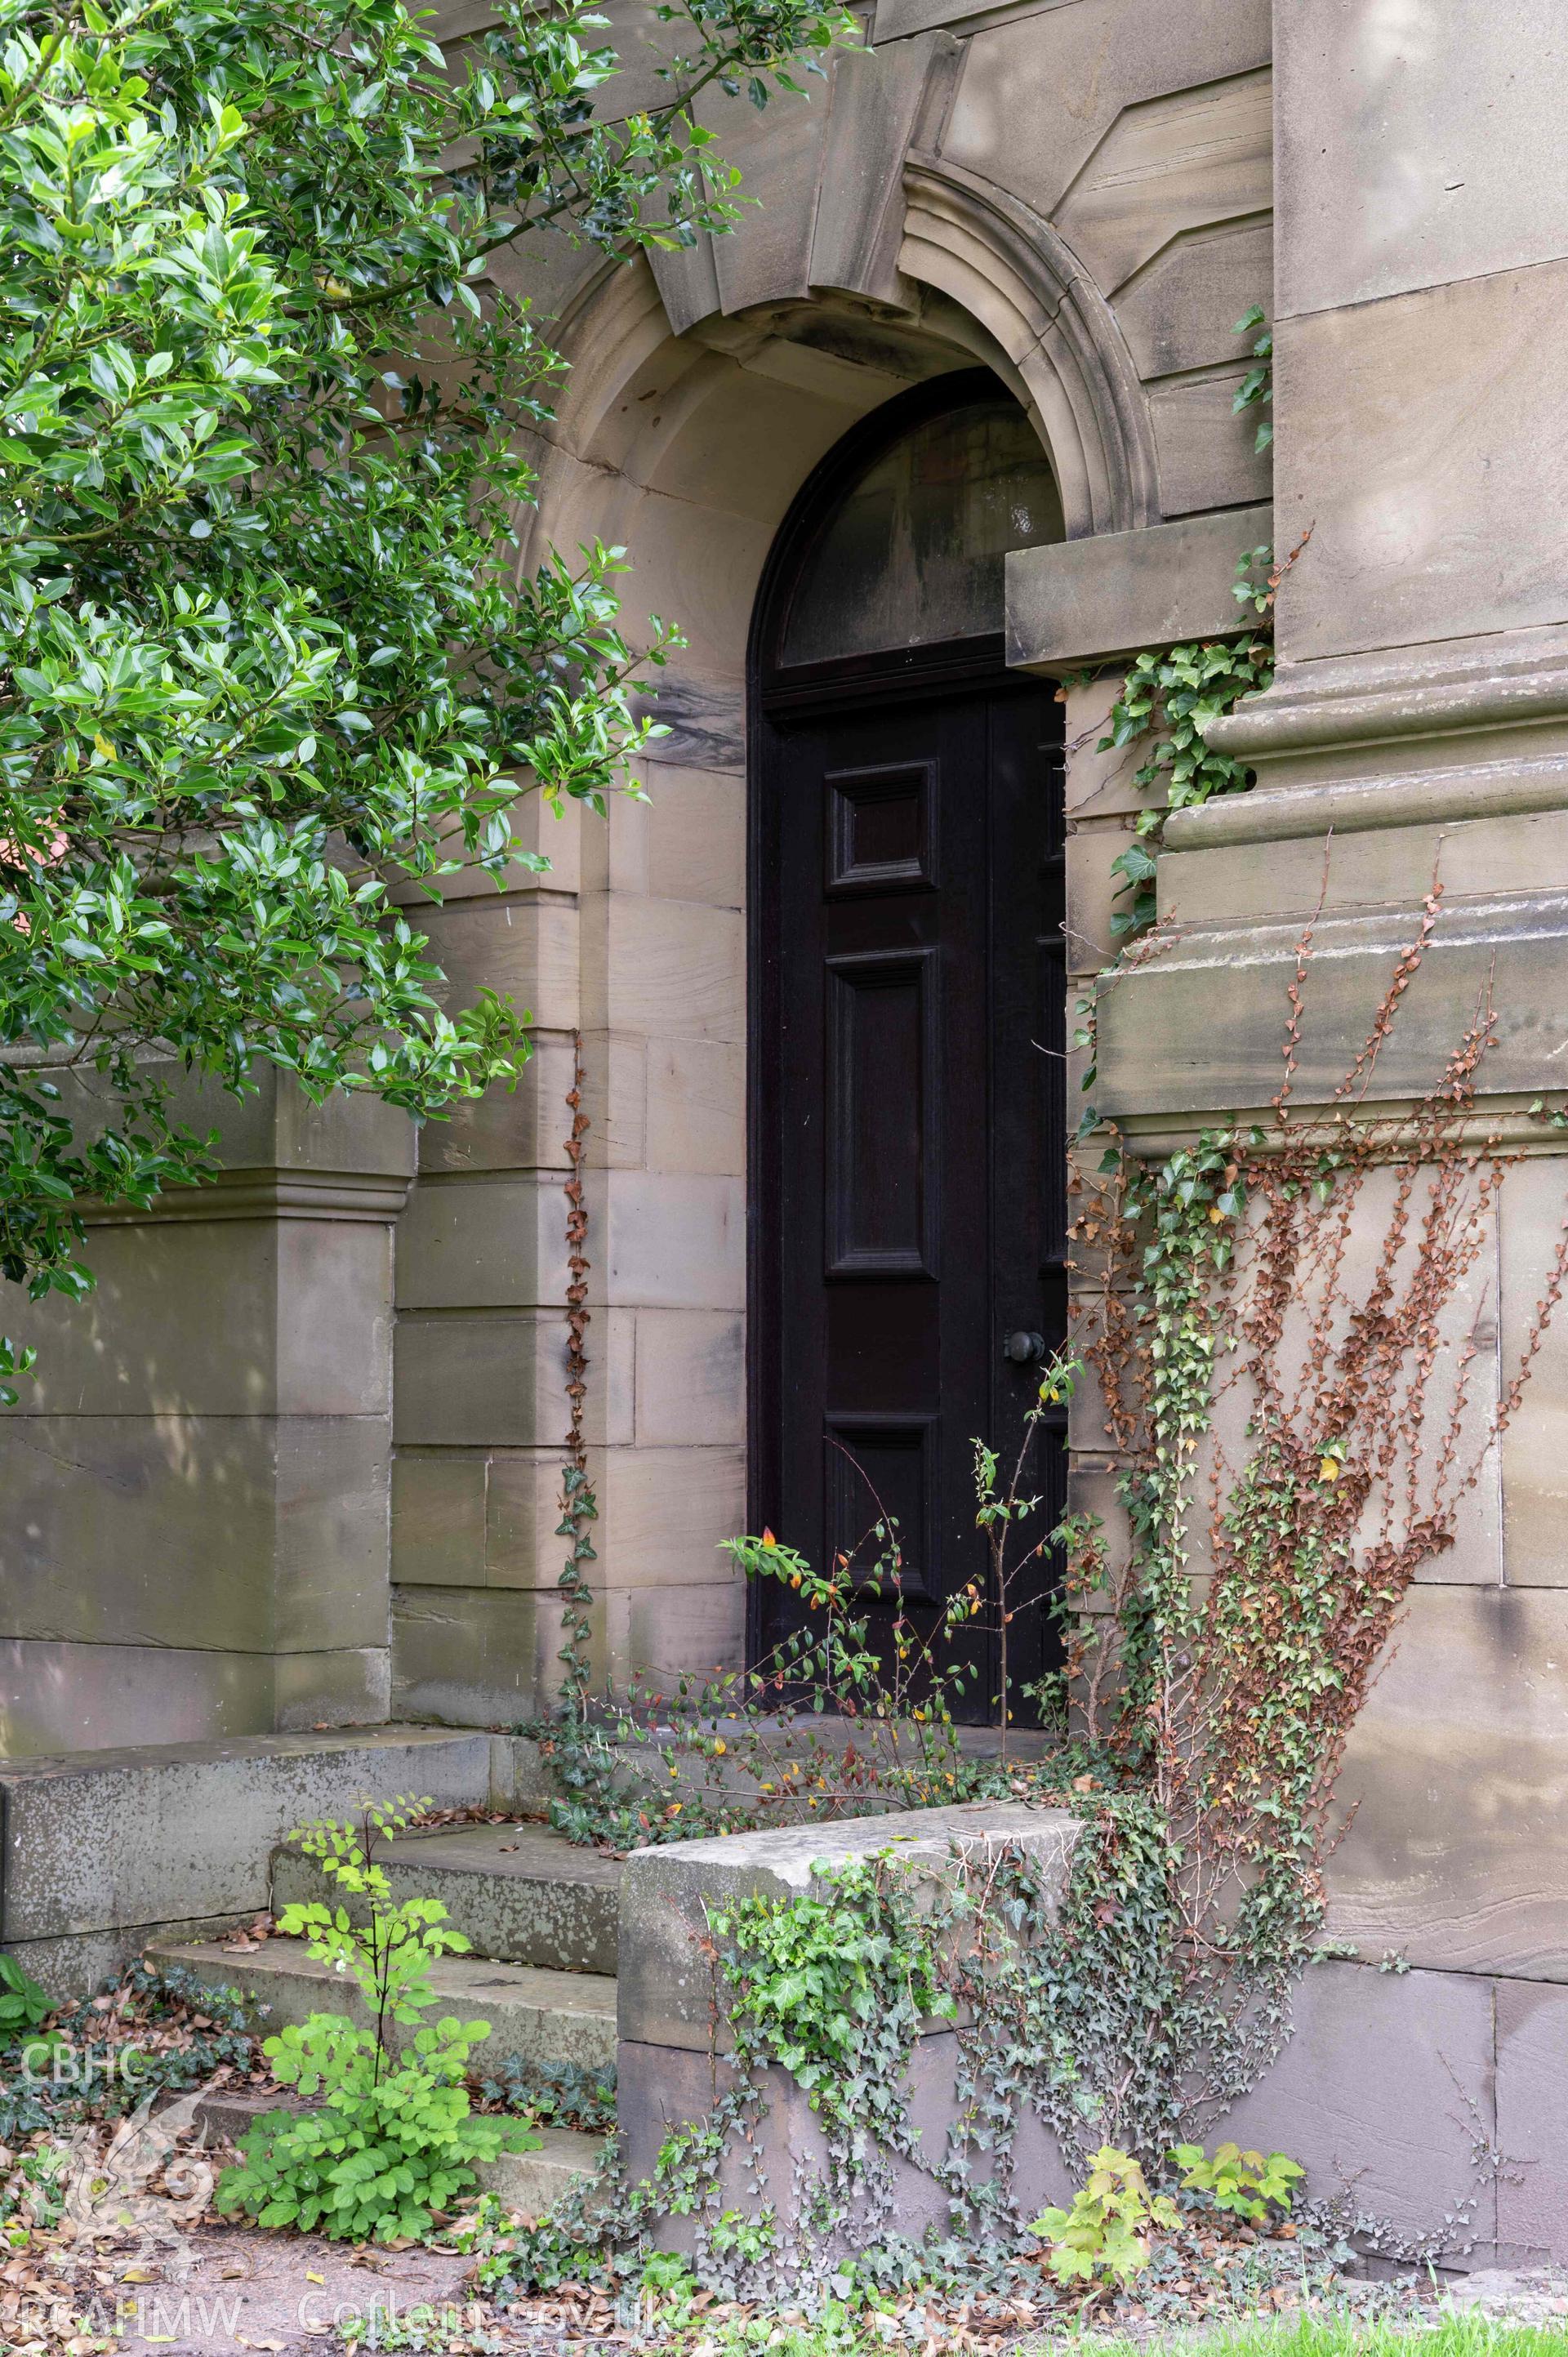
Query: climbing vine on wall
x=1290, y=1354
x=584, y=1772
x=1287, y=1344
x=1168, y=700
x=1170, y=695
x=1287, y=1349
x=1256, y=389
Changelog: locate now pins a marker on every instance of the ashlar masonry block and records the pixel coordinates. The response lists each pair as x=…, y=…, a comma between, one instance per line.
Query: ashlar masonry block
x=664, y=1513
x=1386, y=2094
x=673, y=2039
x=1457, y=1774
x=690, y=1377
x=475, y=1656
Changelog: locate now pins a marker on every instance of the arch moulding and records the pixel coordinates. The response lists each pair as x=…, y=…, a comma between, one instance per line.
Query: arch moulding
x=1011, y=272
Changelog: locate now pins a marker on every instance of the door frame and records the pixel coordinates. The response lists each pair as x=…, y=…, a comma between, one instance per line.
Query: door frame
x=776, y=692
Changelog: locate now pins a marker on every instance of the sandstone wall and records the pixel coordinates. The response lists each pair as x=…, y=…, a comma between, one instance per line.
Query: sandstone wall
x=1077, y=196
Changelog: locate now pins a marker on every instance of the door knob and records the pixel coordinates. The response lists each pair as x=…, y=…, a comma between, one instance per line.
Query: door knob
x=1025, y=1350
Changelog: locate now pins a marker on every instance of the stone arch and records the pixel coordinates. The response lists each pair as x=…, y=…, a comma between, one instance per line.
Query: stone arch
x=1015, y=275
x=860, y=210
x=688, y=449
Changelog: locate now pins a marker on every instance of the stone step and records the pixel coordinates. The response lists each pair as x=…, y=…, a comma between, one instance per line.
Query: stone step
x=532, y=2183
x=538, y=2014
x=519, y=1893
x=102, y=1851
x=528, y=2182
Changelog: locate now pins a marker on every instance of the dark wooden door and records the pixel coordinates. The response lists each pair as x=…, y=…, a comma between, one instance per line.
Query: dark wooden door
x=908, y=1189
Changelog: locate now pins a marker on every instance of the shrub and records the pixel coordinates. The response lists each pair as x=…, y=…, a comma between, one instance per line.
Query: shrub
x=269, y=644
x=1104, y=2235
x=395, y=2138
x=391, y=2145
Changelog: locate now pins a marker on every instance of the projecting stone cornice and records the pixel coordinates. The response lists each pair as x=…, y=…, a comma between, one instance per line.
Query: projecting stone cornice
x=1514, y=679
x=264, y=1195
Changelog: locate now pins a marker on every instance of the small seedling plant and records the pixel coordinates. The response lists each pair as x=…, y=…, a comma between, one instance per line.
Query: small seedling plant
x=1103, y=2238
x=840, y=1711
x=32, y=2197
x=387, y=1946
x=395, y=2139
x=1246, y=2184
x=24, y=2008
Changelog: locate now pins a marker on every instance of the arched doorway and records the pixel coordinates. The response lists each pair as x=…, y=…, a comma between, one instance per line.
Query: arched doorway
x=907, y=1004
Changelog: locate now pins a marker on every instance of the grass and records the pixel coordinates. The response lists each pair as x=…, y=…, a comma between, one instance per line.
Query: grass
x=1345, y=2335
x=1350, y=2336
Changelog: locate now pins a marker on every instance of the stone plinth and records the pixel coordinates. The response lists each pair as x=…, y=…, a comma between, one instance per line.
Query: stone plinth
x=672, y=2037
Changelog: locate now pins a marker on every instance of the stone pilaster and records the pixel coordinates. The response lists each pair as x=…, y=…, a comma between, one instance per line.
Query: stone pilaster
x=196, y=1528
x=1417, y=731
x=1416, y=735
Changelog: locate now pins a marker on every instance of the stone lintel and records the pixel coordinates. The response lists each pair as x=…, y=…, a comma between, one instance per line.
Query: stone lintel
x=666, y=1989
x=1082, y=601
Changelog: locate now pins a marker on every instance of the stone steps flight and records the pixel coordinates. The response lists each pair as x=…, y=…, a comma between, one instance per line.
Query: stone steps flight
x=539, y=2015
x=520, y=1893
x=542, y=1920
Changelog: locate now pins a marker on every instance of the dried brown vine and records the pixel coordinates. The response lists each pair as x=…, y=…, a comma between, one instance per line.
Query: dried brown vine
x=1286, y=1337
x=577, y=1312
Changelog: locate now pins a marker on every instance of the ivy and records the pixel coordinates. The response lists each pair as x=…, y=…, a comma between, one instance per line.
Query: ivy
x=1256, y=389
x=834, y=1988
x=1172, y=695
x=841, y=1716
x=153, y=2020
x=1213, y=1713
x=1169, y=700
x=1078, y=2023
x=554, y=2095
